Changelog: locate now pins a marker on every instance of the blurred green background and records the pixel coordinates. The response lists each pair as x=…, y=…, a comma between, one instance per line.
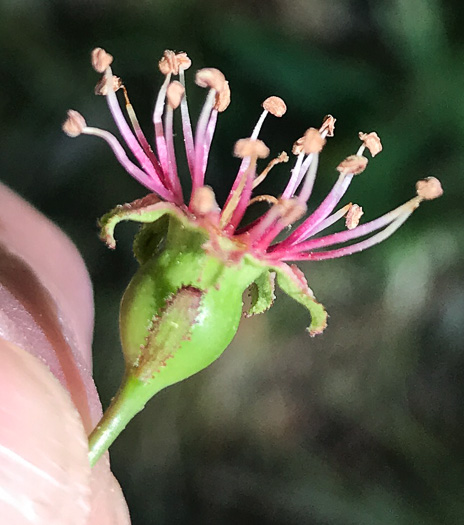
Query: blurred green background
x=360, y=426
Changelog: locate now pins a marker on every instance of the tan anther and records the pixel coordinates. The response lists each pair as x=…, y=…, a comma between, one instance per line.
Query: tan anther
x=168, y=63
x=222, y=98
x=102, y=86
x=353, y=216
x=371, y=141
x=75, y=123
x=429, y=188
x=312, y=141
x=328, y=125
x=100, y=59
x=251, y=148
x=174, y=94
x=210, y=77
x=297, y=147
x=204, y=201
x=291, y=210
x=275, y=105
x=183, y=61
x=354, y=164
x=264, y=198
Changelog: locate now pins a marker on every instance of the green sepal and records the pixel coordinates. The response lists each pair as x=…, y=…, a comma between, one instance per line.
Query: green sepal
x=150, y=238
x=293, y=282
x=170, y=327
x=147, y=210
x=261, y=292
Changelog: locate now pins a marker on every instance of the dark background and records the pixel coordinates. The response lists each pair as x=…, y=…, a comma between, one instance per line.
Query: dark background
x=362, y=425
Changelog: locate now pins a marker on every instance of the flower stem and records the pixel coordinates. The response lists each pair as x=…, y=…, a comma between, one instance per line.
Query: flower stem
x=128, y=402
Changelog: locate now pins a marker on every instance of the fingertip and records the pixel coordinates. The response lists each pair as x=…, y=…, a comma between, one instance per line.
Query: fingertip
x=44, y=470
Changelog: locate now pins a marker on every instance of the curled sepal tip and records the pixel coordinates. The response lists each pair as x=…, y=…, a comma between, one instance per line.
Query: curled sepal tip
x=293, y=282
x=146, y=210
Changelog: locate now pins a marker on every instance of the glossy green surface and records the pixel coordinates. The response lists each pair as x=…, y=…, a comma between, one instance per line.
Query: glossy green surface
x=183, y=262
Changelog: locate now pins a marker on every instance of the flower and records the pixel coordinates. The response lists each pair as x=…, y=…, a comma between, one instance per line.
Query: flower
x=227, y=238
x=183, y=306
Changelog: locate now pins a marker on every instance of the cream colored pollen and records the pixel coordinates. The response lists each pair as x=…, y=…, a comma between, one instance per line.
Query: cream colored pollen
x=354, y=164
x=101, y=60
x=371, y=141
x=204, y=201
x=251, y=148
x=328, y=125
x=174, y=94
x=223, y=98
x=312, y=141
x=102, y=86
x=353, y=216
x=275, y=106
x=429, y=188
x=210, y=77
x=75, y=123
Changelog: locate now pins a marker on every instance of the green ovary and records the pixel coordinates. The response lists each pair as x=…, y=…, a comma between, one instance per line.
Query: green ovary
x=219, y=286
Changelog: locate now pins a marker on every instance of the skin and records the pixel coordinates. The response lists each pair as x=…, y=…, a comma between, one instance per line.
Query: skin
x=48, y=401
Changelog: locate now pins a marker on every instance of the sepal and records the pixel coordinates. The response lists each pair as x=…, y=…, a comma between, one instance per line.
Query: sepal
x=293, y=282
x=146, y=210
x=261, y=293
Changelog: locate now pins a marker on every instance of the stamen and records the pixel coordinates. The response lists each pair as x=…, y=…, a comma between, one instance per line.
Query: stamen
x=331, y=219
x=124, y=129
x=326, y=207
x=239, y=198
x=313, y=142
x=223, y=98
x=236, y=202
x=101, y=60
x=187, y=127
x=328, y=126
x=312, y=161
x=353, y=216
x=200, y=143
x=141, y=136
x=358, y=247
x=308, y=184
x=102, y=85
x=75, y=124
x=138, y=174
x=371, y=141
x=252, y=148
x=158, y=114
x=264, y=198
x=275, y=106
x=359, y=231
x=174, y=94
x=204, y=202
x=209, y=134
x=183, y=61
x=172, y=176
x=284, y=213
x=429, y=188
x=283, y=157
x=297, y=148
x=169, y=65
x=211, y=78
x=354, y=164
